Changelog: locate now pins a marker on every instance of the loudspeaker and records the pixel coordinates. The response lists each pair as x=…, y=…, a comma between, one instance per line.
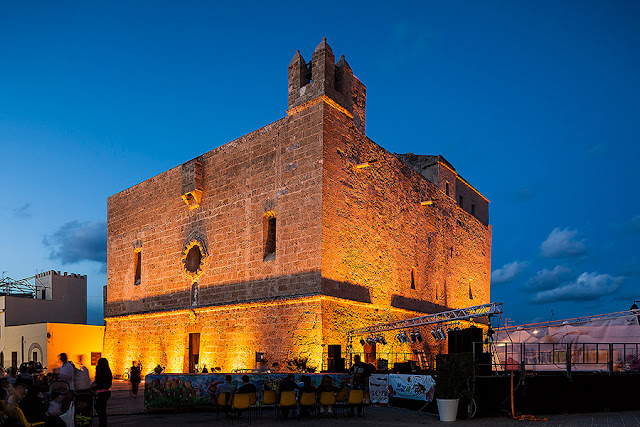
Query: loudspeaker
x=464, y=340
x=483, y=364
x=336, y=364
x=335, y=351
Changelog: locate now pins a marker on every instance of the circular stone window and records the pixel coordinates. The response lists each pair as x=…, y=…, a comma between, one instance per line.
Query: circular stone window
x=193, y=259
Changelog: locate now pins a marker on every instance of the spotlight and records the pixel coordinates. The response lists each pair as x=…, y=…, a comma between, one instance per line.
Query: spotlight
x=419, y=336
x=413, y=337
x=370, y=341
x=405, y=337
x=442, y=334
x=362, y=342
x=399, y=338
x=382, y=340
x=434, y=334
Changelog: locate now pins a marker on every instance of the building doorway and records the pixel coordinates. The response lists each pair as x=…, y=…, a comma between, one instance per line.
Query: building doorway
x=194, y=352
x=14, y=359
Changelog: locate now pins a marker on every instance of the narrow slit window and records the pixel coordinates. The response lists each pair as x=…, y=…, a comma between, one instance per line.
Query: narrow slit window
x=470, y=292
x=461, y=201
x=473, y=209
x=269, y=230
x=413, y=277
x=138, y=262
x=447, y=187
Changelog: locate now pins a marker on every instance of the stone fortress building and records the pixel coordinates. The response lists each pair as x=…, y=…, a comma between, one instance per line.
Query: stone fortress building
x=274, y=245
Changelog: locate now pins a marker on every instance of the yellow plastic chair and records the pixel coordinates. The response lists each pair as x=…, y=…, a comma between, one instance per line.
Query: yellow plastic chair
x=356, y=398
x=19, y=415
x=224, y=402
x=254, y=405
x=341, y=399
x=241, y=402
x=307, y=401
x=287, y=400
x=269, y=398
x=328, y=398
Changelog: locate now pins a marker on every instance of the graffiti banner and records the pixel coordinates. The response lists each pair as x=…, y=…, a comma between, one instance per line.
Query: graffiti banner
x=379, y=389
x=199, y=390
x=415, y=387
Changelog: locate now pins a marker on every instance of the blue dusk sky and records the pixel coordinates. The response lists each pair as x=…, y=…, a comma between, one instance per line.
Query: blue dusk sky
x=536, y=103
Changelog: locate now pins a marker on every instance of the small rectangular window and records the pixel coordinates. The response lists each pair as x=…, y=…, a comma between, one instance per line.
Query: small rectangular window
x=461, y=201
x=44, y=294
x=413, y=277
x=269, y=231
x=138, y=262
x=473, y=209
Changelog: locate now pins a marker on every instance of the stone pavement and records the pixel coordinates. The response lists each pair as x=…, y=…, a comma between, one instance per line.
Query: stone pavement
x=124, y=410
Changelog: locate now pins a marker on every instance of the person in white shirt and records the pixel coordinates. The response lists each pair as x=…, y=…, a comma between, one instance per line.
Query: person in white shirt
x=66, y=372
x=81, y=379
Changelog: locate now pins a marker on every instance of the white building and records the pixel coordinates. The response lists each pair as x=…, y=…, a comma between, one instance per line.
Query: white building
x=45, y=315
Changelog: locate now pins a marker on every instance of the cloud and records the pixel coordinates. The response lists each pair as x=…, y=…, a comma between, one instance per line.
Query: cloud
x=587, y=287
x=78, y=241
x=507, y=273
x=549, y=279
x=562, y=243
x=23, y=211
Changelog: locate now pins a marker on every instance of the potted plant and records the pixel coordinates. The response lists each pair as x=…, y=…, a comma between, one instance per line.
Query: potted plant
x=453, y=372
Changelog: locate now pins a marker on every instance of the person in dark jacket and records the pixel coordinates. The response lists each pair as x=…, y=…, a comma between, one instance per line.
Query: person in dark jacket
x=102, y=388
x=287, y=384
x=134, y=378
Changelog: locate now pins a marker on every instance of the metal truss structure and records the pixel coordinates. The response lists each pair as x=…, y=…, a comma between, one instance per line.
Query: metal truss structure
x=562, y=322
x=494, y=308
x=21, y=288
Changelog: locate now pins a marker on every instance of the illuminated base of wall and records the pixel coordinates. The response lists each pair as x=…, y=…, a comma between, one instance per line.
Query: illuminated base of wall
x=231, y=335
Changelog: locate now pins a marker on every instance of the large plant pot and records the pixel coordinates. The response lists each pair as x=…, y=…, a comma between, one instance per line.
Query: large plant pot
x=448, y=409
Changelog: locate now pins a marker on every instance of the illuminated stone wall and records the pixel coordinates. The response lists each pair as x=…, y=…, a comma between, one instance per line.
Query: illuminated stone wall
x=229, y=335
x=351, y=228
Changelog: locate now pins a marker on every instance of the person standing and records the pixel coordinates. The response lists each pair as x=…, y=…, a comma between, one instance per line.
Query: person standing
x=102, y=388
x=66, y=371
x=134, y=378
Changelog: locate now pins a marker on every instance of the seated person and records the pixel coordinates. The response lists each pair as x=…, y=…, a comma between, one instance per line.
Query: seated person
x=326, y=386
x=18, y=392
x=33, y=405
x=287, y=384
x=246, y=386
x=307, y=387
x=5, y=388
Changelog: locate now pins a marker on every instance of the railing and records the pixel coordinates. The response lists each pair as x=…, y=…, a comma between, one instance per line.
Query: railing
x=599, y=357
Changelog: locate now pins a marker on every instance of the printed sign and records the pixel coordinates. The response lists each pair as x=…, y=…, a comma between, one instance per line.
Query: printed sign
x=415, y=387
x=379, y=389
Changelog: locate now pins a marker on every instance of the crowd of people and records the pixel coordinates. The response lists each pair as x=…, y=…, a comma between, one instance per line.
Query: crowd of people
x=48, y=397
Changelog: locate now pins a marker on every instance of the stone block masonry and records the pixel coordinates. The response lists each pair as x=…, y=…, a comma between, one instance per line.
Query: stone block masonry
x=282, y=240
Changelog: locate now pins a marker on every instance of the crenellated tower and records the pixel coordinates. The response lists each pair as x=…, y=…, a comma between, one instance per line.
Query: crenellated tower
x=324, y=80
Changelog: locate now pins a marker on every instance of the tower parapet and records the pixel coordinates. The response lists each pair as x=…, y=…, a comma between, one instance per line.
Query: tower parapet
x=323, y=77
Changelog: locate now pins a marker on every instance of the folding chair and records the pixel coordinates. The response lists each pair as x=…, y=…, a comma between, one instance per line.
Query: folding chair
x=341, y=399
x=287, y=401
x=307, y=401
x=224, y=402
x=241, y=402
x=270, y=398
x=356, y=399
x=328, y=398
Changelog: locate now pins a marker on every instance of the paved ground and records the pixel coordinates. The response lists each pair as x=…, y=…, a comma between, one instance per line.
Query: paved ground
x=124, y=410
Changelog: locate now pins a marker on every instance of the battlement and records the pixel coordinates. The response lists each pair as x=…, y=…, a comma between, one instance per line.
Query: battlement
x=324, y=77
x=62, y=274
